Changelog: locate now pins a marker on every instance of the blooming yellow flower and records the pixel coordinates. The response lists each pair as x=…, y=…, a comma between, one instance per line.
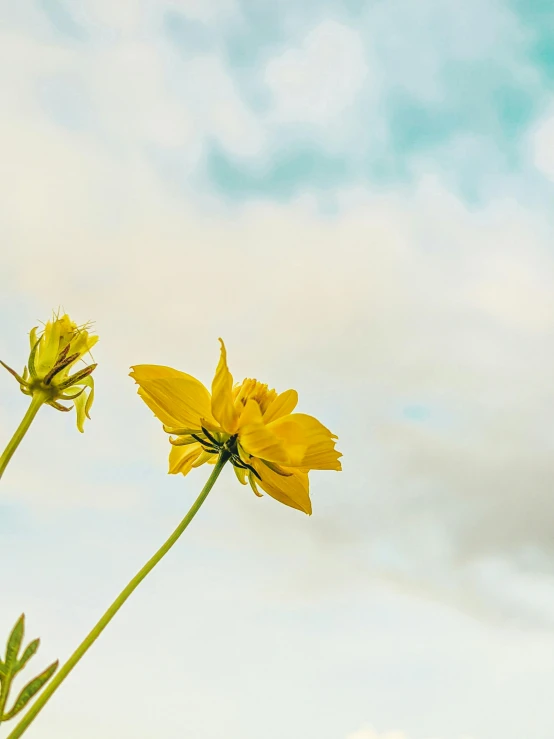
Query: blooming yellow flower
x=54, y=353
x=270, y=447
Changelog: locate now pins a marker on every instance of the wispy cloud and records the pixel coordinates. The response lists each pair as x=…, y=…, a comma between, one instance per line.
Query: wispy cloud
x=370, y=734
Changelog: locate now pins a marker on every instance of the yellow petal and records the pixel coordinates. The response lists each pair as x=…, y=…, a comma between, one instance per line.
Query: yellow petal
x=321, y=456
x=223, y=408
x=282, y=405
x=251, y=414
x=181, y=440
x=142, y=372
x=252, y=481
x=174, y=397
x=88, y=382
x=241, y=474
x=48, y=348
x=205, y=457
x=256, y=438
x=182, y=458
x=80, y=403
x=293, y=490
x=67, y=327
x=299, y=432
x=83, y=341
x=33, y=337
x=243, y=456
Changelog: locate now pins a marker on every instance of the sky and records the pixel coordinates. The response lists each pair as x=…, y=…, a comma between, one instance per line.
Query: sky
x=356, y=196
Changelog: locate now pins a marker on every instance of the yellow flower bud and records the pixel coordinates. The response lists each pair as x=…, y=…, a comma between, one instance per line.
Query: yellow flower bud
x=55, y=352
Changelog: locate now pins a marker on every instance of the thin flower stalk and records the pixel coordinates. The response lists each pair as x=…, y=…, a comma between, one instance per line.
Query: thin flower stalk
x=253, y=427
x=127, y=591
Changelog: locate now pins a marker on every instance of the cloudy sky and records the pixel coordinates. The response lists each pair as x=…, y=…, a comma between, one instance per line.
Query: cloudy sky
x=357, y=196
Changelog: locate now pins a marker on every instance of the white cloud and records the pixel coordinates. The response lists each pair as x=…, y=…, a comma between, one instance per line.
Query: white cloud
x=317, y=82
x=133, y=94
x=125, y=16
x=402, y=298
x=144, y=95
x=542, y=146
x=414, y=55
x=207, y=11
x=425, y=301
x=131, y=17
x=370, y=734
x=128, y=90
x=219, y=111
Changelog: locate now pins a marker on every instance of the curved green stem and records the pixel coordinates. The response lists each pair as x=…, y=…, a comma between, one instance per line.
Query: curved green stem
x=36, y=401
x=89, y=640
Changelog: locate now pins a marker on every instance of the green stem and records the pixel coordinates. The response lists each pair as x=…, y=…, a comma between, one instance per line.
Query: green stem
x=36, y=401
x=89, y=640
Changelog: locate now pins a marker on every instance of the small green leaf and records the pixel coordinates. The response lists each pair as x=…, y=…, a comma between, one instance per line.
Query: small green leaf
x=27, y=654
x=29, y=691
x=14, y=643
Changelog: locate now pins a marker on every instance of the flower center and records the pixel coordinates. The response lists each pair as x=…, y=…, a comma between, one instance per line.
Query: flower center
x=251, y=389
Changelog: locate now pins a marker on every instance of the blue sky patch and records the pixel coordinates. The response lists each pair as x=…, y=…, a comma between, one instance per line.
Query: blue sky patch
x=63, y=20
x=288, y=173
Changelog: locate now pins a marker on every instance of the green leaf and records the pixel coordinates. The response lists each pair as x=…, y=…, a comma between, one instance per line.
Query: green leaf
x=14, y=643
x=27, y=654
x=30, y=690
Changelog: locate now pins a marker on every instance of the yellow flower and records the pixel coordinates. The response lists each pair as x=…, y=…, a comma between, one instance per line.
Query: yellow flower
x=54, y=353
x=270, y=447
